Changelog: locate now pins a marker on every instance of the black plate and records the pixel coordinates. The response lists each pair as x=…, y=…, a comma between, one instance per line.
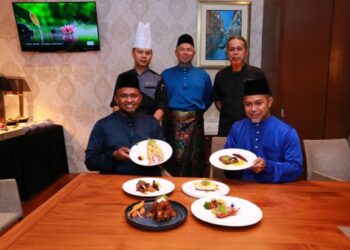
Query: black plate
x=149, y=223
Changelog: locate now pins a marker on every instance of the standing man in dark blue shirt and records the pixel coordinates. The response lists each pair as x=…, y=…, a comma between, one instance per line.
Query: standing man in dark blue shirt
x=113, y=136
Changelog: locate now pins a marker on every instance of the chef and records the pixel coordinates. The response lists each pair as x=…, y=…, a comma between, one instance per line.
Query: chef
x=154, y=98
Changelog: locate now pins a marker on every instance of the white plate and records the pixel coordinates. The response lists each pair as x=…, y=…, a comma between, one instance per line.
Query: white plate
x=165, y=187
x=190, y=189
x=248, y=213
x=214, y=158
x=140, y=149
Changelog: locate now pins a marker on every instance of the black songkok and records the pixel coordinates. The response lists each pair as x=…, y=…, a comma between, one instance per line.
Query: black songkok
x=185, y=38
x=256, y=87
x=128, y=80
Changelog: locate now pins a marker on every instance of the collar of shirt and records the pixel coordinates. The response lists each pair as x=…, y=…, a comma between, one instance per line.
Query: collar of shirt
x=184, y=68
x=143, y=72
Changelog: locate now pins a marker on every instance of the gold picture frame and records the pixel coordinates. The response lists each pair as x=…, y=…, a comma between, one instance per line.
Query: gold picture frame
x=217, y=21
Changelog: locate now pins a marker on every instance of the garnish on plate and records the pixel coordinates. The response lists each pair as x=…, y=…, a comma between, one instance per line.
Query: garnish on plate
x=240, y=157
x=220, y=208
x=206, y=185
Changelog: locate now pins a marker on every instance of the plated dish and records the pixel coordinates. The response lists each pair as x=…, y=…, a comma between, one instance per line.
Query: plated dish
x=150, y=152
x=247, y=212
x=232, y=159
x=193, y=189
x=147, y=222
x=164, y=187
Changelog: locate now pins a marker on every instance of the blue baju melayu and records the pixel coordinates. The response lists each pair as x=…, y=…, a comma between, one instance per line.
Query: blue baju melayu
x=120, y=130
x=188, y=88
x=274, y=141
x=189, y=96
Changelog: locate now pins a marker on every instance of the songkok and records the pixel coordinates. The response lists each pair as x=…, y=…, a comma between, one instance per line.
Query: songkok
x=185, y=38
x=256, y=87
x=128, y=80
x=143, y=36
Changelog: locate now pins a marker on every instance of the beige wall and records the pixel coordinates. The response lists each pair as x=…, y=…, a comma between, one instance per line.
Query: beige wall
x=74, y=89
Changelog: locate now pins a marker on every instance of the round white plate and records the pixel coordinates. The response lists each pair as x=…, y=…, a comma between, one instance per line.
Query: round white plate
x=165, y=187
x=140, y=150
x=248, y=213
x=249, y=156
x=190, y=189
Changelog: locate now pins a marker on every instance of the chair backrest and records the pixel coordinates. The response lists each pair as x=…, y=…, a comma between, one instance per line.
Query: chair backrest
x=9, y=197
x=217, y=143
x=327, y=159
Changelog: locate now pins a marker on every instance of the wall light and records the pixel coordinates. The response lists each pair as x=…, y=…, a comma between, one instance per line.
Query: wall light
x=14, y=86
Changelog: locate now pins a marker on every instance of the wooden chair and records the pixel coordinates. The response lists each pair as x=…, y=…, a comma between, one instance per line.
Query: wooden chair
x=10, y=204
x=217, y=143
x=327, y=159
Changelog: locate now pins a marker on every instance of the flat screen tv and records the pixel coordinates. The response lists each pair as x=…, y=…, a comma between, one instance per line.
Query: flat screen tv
x=57, y=26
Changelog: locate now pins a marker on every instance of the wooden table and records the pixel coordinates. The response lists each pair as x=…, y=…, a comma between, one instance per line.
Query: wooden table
x=89, y=214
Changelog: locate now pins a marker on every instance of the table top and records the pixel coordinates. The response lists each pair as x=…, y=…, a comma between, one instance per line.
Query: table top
x=88, y=213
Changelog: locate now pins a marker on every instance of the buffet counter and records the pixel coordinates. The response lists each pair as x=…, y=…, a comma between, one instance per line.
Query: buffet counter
x=34, y=156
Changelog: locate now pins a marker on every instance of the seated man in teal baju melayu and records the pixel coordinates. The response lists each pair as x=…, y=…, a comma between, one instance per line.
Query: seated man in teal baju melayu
x=113, y=136
x=275, y=143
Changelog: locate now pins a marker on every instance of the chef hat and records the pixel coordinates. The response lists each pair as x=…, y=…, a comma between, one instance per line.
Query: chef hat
x=256, y=87
x=143, y=36
x=128, y=80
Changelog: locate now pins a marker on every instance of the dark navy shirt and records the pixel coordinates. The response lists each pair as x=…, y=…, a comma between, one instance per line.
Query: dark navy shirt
x=119, y=130
x=152, y=89
x=228, y=89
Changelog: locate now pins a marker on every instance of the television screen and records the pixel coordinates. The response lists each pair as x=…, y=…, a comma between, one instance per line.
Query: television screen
x=57, y=26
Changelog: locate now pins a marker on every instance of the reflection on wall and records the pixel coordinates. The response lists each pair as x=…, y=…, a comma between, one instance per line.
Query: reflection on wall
x=74, y=89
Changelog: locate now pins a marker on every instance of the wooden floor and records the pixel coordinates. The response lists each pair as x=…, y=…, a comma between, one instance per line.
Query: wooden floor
x=35, y=201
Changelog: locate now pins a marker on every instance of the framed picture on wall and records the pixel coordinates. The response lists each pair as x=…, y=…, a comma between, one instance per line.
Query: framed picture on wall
x=217, y=21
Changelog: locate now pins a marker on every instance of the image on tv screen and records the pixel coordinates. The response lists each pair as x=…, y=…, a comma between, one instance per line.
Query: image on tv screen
x=57, y=26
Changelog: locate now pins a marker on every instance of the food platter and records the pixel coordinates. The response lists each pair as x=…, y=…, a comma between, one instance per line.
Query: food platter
x=248, y=213
x=149, y=223
x=249, y=158
x=138, y=152
x=189, y=188
x=165, y=187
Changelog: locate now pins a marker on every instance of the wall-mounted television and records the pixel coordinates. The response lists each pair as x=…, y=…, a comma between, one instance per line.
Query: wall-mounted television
x=57, y=26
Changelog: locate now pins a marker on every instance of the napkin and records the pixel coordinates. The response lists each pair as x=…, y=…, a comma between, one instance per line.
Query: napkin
x=345, y=230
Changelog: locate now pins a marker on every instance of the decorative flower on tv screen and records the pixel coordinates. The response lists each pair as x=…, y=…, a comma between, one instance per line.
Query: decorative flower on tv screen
x=68, y=29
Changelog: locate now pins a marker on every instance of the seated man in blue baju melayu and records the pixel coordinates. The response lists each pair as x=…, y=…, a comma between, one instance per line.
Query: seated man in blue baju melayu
x=113, y=136
x=275, y=143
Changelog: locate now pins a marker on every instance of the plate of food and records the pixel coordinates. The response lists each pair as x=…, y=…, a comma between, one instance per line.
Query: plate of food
x=205, y=188
x=150, y=152
x=232, y=159
x=148, y=187
x=226, y=211
x=156, y=214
